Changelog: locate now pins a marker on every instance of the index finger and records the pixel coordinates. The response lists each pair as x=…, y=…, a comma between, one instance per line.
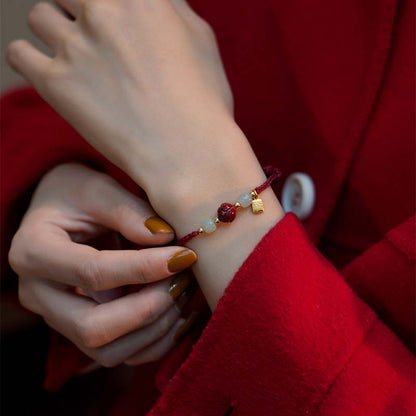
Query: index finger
x=55, y=256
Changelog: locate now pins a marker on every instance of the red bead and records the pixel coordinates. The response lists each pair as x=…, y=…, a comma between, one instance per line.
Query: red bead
x=227, y=212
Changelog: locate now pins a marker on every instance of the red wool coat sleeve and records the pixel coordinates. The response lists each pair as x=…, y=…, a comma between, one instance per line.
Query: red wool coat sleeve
x=290, y=337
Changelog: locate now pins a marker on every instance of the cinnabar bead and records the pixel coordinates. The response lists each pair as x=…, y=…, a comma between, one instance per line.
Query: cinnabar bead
x=227, y=212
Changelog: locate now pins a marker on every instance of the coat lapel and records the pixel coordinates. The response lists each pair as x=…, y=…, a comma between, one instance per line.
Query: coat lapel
x=337, y=54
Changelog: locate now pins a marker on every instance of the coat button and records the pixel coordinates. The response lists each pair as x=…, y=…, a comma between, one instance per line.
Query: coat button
x=298, y=195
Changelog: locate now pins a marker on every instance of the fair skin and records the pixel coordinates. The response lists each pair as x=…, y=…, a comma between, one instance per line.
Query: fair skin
x=72, y=205
x=160, y=108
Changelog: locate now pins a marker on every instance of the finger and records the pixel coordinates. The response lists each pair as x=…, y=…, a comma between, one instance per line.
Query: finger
x=70, y=6
x=121, y=349
x=92, y=325
x=109, y=204
x=182, y=288
x=157, y=350
x=24, y=58
x=109, y=321
x=55, y=256
x=112, y=320
x=48, y=23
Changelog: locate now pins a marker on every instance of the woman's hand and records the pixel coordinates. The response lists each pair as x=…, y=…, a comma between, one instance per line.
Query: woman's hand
x=133, y=76
x=143, y=82
x=74, y=204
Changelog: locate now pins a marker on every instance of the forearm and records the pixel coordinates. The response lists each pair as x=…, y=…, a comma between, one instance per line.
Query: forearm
x=221, y=254
x=186, y=199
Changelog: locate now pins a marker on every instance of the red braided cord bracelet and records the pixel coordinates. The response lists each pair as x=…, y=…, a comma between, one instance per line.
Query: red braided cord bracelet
x=227, y=211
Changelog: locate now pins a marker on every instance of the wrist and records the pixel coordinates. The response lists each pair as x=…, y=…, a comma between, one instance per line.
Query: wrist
x=186, y=197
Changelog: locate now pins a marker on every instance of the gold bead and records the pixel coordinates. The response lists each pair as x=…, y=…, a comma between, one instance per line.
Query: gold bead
x=217, y=221
x=200, y=230
x=254, y=194
x=237, y=205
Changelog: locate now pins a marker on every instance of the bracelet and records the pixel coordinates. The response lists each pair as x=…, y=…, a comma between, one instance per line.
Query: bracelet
x=227, y=211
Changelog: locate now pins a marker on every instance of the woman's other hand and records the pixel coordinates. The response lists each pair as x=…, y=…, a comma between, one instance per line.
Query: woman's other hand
x=72, y=205
x=132, y=76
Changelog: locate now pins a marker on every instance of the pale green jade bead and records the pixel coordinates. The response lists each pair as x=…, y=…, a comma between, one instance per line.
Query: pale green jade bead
x=209, y=225
x=245, y=200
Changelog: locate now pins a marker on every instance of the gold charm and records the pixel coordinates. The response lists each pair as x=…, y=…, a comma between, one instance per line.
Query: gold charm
x=257, y=206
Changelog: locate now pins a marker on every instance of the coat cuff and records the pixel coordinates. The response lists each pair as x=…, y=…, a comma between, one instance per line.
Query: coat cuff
x=285, y=328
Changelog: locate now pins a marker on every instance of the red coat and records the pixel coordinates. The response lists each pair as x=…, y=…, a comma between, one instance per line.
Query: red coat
x=320, y=317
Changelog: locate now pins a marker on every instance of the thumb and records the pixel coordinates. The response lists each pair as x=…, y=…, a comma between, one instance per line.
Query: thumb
x=107, y=203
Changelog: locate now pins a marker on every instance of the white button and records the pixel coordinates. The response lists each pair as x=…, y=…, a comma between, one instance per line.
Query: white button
x=298, y=195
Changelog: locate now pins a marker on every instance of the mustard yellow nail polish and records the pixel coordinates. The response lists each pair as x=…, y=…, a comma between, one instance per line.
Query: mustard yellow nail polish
x=156, y=225
x=179, y=283
x=186, y=326
x=181, y=260
x=183, y=299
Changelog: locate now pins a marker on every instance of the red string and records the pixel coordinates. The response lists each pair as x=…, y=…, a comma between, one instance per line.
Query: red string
x=272, y=173
x=185, y=239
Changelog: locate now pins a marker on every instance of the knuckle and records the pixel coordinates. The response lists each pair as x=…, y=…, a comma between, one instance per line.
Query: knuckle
x=14, y=258
x=147, y=313
x=95, y=185
x=106, y=358
x=89, y=274
x=94, y=11
x=141, y=276
x=145, y=269
x=19, y=252
x=207, y=29
x=69, y=44
x=86, y=332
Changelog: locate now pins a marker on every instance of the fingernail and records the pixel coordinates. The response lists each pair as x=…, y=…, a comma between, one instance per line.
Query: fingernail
x=183, y=299
x=179, y=284
x=186, y=326
x=181, y=260
x=156, y=225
